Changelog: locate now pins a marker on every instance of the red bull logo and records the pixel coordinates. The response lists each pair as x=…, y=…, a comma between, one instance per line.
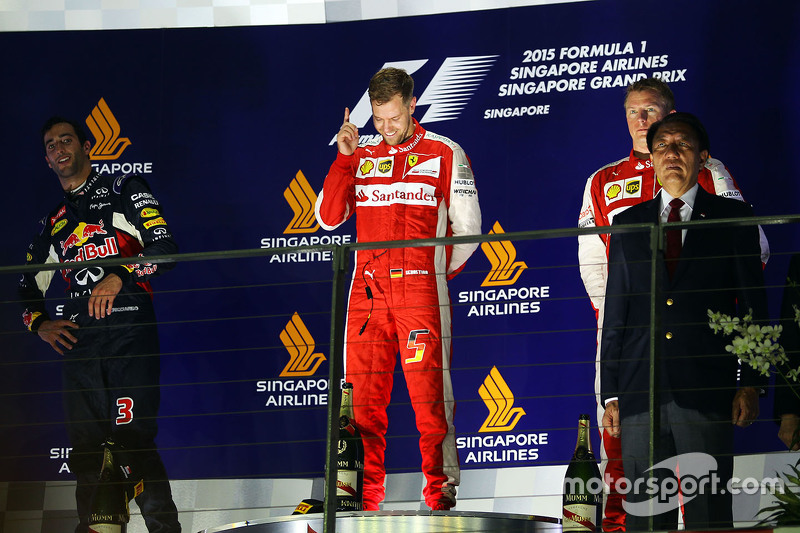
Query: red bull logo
x=81, y=234
x=96, y=251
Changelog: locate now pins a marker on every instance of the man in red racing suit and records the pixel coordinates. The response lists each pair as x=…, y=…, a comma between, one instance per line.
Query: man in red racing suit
x=413, y=184
x=107, y=336
x=609, y=191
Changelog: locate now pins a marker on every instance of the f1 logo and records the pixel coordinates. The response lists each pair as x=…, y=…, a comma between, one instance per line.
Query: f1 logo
x=447, y=94
x=418, y=347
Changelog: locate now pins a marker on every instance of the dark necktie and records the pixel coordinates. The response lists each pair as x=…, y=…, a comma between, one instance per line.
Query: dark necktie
x=673, y=249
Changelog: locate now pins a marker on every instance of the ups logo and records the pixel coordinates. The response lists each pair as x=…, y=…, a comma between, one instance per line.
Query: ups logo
x=632, y=187
x=385, y=166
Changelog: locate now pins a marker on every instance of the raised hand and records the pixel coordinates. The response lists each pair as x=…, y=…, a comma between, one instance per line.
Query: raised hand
x=347, y=138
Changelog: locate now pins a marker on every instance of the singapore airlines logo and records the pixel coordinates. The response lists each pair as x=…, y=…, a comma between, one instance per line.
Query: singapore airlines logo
x=300, y=344
x=301, y=198
x=105, y=128
x=502, y=255
x=499, y=399
x=497, y=296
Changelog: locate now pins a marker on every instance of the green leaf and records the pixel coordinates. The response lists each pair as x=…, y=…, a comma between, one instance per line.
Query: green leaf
x=794, y=479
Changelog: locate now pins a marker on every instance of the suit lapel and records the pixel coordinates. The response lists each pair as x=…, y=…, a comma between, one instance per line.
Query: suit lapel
x=699, y=212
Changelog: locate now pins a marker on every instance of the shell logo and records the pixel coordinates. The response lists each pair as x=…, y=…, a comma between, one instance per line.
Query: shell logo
x=613, y=191
x=367, y=167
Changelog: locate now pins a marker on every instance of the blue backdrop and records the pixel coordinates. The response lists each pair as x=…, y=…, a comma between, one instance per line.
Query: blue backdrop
x=232, y=128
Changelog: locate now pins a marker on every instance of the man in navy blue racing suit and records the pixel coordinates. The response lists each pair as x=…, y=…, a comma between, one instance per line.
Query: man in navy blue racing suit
x=108, y=334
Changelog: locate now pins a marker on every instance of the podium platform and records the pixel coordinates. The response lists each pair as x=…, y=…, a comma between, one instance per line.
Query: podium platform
x=400, y=522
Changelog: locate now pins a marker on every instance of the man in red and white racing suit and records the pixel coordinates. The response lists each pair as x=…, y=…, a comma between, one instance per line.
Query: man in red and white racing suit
x=413, y=184
x=609, y=191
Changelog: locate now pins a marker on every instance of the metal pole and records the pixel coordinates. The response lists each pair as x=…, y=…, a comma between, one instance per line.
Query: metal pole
x=656, y=273
x=338, y=309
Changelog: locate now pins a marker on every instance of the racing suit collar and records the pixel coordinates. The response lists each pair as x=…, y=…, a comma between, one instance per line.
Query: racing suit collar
x=83, y=187
x=633, y=158
x=416, y=136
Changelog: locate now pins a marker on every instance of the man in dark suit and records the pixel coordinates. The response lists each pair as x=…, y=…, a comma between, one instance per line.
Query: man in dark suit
x=716, y=268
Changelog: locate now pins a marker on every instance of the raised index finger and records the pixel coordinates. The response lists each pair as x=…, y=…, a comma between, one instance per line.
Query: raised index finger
x=346, y=115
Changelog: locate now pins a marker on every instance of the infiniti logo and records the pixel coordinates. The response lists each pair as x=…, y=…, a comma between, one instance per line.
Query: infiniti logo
x=95, y=273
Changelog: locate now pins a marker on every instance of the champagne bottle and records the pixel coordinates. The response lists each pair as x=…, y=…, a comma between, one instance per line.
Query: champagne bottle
x=350, y=461
x=583, y=486
x=109, y=511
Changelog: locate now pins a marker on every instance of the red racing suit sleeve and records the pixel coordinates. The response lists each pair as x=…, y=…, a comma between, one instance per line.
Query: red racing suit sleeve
x=336, y=202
